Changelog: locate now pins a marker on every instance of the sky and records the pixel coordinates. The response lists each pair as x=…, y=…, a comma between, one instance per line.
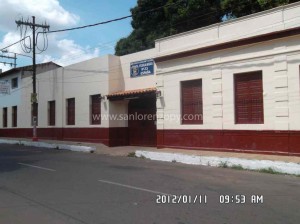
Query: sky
x=66, y=47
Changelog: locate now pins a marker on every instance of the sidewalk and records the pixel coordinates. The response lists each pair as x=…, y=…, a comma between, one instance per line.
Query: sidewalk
x=278, y=163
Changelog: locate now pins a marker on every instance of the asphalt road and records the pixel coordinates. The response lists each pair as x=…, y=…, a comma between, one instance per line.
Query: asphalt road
x=50, y=186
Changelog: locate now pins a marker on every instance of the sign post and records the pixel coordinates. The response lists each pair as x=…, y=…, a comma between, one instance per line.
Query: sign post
x=34, y=117
x=4, y=88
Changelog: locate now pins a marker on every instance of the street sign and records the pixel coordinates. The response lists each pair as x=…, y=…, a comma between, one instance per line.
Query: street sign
x=142, y=68
x=33, y=97
x=4, y=87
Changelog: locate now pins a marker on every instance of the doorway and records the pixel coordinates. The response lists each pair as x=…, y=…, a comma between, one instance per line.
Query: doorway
x=142, y=121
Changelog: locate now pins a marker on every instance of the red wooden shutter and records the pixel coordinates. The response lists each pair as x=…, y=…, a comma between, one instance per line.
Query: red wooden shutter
x=14, y=116
x=71, y=111
x=191, y=102
x=5, y=117
x=95, y=109
x=249, y=107
x=51, y=113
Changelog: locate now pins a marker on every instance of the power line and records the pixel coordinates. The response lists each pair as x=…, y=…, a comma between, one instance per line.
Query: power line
x=9, y=52
x=32, y=48
x=86, y=26
x=14, y=43
x=114, y=20
x=9, y=57
x=96, y=24
x=121, y=18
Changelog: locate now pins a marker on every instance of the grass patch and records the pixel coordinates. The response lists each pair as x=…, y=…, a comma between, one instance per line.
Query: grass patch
x=223, y=165
x=264, y=170
x=269, y=171
x=132, y=154
x=237, y=167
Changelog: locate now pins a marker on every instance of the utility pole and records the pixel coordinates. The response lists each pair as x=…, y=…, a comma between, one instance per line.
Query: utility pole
x=34, y=27
x=9, y=57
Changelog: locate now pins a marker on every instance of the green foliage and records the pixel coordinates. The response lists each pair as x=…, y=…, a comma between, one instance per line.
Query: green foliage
x=269, y=170
x=176, y=16
x=238, y=8
x=237, y=167
x=223, y=165
x=131, y=154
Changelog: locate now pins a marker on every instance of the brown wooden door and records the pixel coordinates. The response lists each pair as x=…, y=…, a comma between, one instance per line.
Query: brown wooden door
x=142, y=121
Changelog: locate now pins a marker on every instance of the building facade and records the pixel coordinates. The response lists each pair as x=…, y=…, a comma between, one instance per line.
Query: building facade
x=230, y=86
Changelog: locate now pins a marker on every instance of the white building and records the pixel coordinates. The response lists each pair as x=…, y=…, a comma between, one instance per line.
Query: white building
x=229, y=86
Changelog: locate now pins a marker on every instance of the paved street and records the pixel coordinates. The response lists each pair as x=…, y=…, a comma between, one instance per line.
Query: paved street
x=52, y=186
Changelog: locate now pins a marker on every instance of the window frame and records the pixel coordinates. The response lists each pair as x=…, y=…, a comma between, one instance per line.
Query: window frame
x=182, y=103
x=14, y=117
x=68, y=119
x=50, y=111
x=251, y=115
x=4, y=117
x=13, y=86
x=96, y=97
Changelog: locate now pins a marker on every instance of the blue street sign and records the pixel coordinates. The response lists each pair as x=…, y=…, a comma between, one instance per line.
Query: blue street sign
x=142, y=68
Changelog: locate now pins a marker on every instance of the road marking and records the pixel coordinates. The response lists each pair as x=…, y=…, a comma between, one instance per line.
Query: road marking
x=38, y=167
x=133, y=187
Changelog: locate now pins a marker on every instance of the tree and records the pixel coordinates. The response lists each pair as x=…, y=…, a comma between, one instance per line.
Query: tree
x=238, y=8
x=168, y=17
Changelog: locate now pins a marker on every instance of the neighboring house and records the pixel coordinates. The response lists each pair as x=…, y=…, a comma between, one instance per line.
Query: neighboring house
x=18, y=81
x=229, y=86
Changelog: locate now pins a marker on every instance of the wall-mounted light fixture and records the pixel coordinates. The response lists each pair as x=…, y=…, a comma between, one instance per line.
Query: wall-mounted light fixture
x=158, y=94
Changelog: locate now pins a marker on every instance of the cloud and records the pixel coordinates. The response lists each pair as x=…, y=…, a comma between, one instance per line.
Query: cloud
x=9, y=38
x=69, y=52
x=44, y=10
x=4, y=67
x=61, y=50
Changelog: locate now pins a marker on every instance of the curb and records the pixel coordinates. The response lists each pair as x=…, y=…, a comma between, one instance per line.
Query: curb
x=75, y=148
x=278, y=166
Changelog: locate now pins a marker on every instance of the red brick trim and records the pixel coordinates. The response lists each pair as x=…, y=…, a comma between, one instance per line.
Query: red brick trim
x=265, y=142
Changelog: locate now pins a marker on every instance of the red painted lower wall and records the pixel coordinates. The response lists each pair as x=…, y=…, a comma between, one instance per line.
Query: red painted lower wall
x=107, y=136
x=267, y=142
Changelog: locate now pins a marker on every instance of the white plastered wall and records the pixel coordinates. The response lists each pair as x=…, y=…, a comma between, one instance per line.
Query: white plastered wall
x=78, y=81
x=137, y=82
x=121, y=81
x=13, y=99
x=278, y=60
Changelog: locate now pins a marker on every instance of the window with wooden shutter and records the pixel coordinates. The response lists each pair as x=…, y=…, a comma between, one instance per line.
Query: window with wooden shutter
x=4, y=118
x=14, y=116
x=71, y=111
x=51, y=113
x=95, y=109
x=14, y=83
x=191, y=102
x=249, y=106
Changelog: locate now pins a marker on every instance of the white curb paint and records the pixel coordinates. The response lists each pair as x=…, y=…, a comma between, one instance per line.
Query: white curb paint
x=76, y=148
x=282, y=167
